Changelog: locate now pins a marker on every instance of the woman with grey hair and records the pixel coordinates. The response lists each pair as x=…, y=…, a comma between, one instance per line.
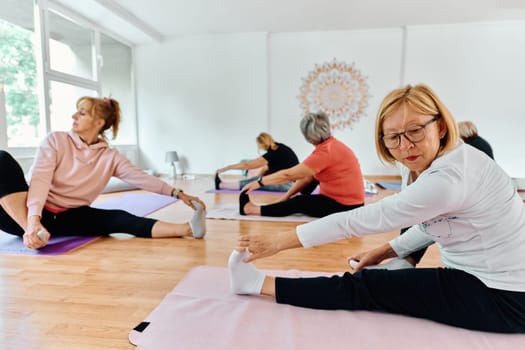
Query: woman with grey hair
x=332, y=164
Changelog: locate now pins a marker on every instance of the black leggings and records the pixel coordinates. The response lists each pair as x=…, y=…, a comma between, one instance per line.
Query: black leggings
x=448, y=296
x=315, y=205
x=81, y=221
x=11, y=175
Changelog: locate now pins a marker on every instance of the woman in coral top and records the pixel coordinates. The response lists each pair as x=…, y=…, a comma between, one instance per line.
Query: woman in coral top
x=332, y=164
x=70, y=170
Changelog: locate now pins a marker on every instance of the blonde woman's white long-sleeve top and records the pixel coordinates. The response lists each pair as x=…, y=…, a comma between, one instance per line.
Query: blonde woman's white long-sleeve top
x=464, y=202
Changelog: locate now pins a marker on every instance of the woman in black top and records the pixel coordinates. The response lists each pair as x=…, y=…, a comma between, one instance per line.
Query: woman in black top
x=469, y=135
x=278, y=156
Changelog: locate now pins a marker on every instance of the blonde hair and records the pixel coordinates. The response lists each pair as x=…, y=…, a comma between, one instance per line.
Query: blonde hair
x=266, y=141
x=467, y=130
x=421, y=99
x=104, y=108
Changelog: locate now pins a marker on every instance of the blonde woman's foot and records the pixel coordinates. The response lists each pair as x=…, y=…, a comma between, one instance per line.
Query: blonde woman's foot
x=244, y=277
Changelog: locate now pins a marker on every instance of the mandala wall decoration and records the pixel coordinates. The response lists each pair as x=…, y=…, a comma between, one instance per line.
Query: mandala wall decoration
x=338, y=89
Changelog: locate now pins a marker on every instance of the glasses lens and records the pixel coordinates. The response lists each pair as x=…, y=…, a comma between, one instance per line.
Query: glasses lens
x=416, y=134
x=391, y=141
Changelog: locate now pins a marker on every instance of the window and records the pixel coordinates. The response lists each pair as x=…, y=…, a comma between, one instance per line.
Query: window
x=62, y=98
x=117, y=83
x=71, y=47
x=19, y=111
x=39, y=89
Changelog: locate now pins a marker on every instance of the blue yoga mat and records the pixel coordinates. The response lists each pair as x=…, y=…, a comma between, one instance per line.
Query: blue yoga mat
x=389, y=185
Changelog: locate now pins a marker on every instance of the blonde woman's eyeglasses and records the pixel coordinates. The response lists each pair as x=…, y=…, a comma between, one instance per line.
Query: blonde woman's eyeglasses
x=414, y=134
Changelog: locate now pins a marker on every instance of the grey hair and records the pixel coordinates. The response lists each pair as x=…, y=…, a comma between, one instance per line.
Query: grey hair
x=315, y=127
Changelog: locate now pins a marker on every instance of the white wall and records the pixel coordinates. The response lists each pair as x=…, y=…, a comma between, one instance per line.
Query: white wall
x=478, y=70
x=376, y=53
x=203, y=96
x=209, y=96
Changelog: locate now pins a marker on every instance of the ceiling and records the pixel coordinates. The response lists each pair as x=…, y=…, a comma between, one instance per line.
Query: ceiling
x=147, y=21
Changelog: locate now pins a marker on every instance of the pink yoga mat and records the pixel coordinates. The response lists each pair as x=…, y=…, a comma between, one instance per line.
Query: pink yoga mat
x=201, y=313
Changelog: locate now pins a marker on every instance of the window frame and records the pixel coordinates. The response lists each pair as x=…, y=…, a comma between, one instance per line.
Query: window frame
x=46, y=75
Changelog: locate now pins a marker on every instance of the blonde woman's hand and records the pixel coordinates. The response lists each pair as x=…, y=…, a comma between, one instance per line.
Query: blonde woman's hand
x=371, y=257
x=258, y=245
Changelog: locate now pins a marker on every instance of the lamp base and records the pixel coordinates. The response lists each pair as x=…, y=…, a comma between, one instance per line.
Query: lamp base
x=174, y=171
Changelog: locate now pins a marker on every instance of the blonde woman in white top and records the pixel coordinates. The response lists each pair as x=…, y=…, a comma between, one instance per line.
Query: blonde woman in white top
x=457, y=199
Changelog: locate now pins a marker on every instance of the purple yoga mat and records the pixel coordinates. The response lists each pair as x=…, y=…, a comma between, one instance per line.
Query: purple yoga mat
x=213, y=190
x=140, y=204
x=316, y=191
x=10, y=244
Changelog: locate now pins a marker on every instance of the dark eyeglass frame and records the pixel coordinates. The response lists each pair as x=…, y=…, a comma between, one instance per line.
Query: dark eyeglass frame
x=420, y=127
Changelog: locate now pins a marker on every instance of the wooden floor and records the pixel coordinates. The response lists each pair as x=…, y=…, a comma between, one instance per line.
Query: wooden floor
x=92, y=297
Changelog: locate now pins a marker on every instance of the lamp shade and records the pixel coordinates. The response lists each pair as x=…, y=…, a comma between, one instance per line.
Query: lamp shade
x=171, y=157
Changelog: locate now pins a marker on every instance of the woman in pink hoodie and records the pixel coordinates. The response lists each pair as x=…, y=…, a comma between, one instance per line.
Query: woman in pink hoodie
x=71, y=169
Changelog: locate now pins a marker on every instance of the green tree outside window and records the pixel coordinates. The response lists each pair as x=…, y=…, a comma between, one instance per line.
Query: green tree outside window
x=18, y=74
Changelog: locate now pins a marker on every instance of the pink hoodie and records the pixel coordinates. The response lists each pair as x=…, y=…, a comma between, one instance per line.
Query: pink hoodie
x=68, y=173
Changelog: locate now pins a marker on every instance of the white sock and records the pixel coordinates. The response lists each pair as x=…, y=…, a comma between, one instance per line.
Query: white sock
x=244, y=278
x=198, y=221
x=393, y=264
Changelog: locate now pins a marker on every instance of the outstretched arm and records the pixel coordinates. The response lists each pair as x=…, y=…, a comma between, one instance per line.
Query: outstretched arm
x=300, y=171
x=131, y=174
x=252, y=164
x=298, y=186
x=187, y=199
x=263, y=170
x=260, y=245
